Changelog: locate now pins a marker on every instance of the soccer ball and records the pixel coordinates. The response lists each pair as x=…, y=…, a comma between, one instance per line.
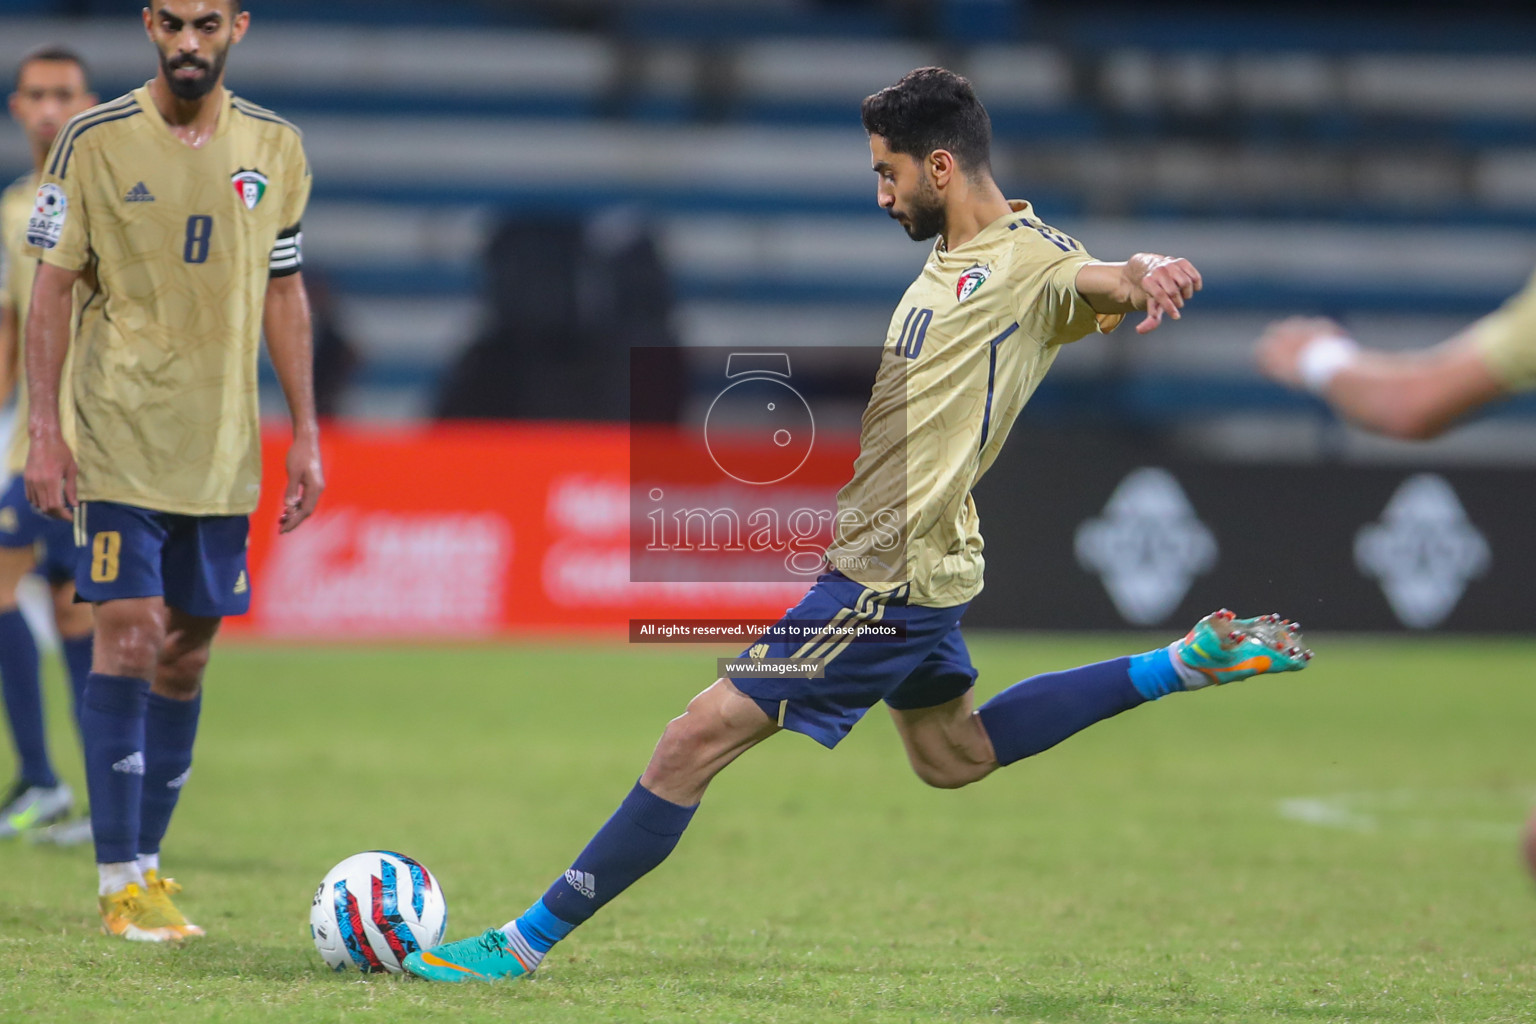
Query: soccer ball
x=374, y=909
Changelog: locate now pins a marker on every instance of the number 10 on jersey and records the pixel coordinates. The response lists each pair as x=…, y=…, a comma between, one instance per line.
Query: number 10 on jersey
x=913, y=330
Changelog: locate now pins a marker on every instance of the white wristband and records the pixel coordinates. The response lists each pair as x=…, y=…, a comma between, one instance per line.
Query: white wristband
x=1323, y=359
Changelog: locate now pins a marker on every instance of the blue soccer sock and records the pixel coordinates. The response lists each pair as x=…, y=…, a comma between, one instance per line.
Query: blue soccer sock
x=170, y=728
x=639, y=836
x=112, y=731
x=1158, y=673
x=77, y=659
x=1040, y=712
x=23, y=692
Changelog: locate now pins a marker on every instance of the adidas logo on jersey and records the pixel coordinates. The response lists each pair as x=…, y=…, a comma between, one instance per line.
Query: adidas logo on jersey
x=583, y=882
x=133, y=764
x=140, y=193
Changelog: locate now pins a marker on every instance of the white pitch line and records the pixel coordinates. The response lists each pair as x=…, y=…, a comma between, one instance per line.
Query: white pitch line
x=1422, y=813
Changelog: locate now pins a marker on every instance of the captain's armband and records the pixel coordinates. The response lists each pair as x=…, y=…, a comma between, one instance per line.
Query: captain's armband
x=288, y=253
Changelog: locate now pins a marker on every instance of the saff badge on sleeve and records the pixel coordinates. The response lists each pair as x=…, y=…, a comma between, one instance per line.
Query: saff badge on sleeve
x=46, y=225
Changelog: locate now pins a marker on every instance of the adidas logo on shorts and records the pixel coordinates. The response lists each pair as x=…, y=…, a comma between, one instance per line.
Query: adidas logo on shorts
x=180, y=780
x=583, y=882
x=133, y=764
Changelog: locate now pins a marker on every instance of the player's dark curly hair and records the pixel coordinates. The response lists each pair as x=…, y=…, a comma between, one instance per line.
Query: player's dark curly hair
x=930, y=109
x=53, y=53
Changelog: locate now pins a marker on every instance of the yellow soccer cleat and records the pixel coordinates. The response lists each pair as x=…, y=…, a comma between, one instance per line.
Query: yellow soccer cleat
x=158, y=893
x=130, y=914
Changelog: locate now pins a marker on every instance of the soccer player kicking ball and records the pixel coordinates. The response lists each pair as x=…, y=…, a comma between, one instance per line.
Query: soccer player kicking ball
x=51, y=88
x=173, y=214
x=969, y=342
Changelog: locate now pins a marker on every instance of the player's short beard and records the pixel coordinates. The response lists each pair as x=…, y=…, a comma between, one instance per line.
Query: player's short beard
x=925, y=218
x=194, y=89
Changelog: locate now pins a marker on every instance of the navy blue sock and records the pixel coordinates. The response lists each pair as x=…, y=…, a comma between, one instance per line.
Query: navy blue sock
x=170, y=727
x=639, y=836
x=77, y=658
x=1041, y=711
x=23, y=691
x=112, y=731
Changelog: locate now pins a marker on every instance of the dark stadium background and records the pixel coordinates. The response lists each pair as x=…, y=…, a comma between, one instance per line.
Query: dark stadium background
x=509, y=196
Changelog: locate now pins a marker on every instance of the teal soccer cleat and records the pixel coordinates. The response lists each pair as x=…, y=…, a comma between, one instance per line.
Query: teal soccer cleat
x=486, y=957
x=1223, y=648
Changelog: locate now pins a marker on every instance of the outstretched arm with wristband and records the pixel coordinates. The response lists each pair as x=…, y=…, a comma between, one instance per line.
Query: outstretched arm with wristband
x=1407, y=395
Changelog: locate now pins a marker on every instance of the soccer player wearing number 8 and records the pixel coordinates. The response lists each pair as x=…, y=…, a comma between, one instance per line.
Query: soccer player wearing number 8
x=170, y=216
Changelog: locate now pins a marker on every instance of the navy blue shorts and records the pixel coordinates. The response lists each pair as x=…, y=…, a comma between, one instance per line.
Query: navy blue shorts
x=197, y=563
x=22, y=526
x=930, y=666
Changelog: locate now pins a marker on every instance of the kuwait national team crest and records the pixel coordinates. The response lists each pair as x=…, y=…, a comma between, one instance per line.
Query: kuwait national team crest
x=250, y=186
x=971, y=280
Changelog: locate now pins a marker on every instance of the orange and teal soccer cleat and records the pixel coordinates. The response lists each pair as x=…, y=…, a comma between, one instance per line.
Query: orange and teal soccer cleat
x=487, y=957
x=130, y=914
x=158, y=892
x=1223, y=648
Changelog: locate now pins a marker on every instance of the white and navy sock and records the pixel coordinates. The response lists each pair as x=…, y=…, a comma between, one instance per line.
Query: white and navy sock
x=535, y=933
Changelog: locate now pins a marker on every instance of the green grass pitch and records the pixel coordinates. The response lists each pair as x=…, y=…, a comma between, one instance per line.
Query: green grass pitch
x=1334, y=846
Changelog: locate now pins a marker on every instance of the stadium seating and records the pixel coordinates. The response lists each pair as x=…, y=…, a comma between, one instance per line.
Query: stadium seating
x=1367, y=180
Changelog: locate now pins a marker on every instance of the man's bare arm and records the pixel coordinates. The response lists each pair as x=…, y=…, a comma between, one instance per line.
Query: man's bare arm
x=1158, y=284
x=50, y=472
x=1407, y=395
x=290, y=343
x=9, y=371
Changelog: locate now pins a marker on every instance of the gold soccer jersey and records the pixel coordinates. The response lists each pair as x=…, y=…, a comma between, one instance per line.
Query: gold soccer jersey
x=1507, y=340
x=19, y=261
x=176, y=246
x=967, y=346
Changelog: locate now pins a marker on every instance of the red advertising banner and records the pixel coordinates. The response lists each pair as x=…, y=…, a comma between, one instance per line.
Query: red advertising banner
x=469, y=531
